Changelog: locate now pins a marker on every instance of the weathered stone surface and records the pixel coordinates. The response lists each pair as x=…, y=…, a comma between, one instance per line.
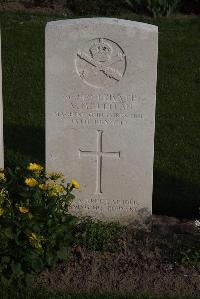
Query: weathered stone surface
x=1, y=116
x=100, y=113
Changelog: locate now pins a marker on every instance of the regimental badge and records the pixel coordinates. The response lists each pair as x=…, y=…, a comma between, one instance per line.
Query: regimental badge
x=101, y=63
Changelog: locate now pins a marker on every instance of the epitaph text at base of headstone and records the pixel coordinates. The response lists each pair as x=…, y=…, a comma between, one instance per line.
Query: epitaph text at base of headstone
x=100, y=113
x=1, y=116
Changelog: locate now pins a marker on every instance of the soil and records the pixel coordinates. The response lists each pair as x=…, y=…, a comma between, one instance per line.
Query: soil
x=145, y=262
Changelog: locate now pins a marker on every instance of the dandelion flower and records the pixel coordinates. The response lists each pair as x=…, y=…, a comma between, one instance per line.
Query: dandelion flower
x=23, y=210
x=31, y=182
x=56, y=175
x=54, y=189
x=75, y=184
x=35, y=167
x=34, y=241
x=3, y=193
x=42, y=186
x=2, y=177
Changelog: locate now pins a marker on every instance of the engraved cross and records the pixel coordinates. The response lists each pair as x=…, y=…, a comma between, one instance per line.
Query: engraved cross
x=99, y=155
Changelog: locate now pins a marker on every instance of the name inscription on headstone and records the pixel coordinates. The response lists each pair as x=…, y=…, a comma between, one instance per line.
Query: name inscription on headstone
x=100, y=109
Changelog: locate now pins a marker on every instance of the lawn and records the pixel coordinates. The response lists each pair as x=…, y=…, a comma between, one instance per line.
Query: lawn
x=177, y=137
x=40, y=294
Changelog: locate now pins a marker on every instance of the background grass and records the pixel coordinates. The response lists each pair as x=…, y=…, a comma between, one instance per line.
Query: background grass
x=42, y=294
x=177, y=137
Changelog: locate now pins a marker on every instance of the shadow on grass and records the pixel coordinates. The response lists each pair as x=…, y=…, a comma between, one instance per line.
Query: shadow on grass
x=23, y=144
x=175, y=197
x=45, y=294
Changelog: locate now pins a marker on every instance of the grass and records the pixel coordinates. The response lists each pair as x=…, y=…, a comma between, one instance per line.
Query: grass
x=42, y=294
x=177, y=137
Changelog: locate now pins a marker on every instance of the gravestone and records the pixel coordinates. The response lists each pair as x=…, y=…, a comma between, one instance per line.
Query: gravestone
x=100, y=113
x=1, y=117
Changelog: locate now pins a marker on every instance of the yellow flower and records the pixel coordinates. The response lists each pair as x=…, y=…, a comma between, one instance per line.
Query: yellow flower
x=42, y=186
x=34, y=241
x=31, y=182
x=30, y=216
x=56, y=175
x=3, y=193
x=3, y=196
x=2, y=177
x=55, y=189
x=1, y=211
x=35, y=167
x=75, y=184
x=23, y=210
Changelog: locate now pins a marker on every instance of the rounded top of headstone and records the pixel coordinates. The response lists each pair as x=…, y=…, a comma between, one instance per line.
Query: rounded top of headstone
x=112, y=21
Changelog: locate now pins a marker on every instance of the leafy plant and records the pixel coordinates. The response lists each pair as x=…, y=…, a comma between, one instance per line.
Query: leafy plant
x=95, y=7
x=97, y=235
x=162, y=7
x=192, y=257
x=35, y=226
x=154, y=7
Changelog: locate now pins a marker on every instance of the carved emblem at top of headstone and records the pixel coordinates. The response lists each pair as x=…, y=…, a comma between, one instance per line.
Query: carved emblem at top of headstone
x=101, y=51
x=101, y=63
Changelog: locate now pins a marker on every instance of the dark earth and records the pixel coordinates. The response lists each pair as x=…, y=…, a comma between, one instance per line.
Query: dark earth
x=143, y=262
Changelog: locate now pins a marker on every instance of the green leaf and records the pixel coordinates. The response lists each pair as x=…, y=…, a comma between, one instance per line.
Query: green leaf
x=4, y=280
x=17, y=269
x=8, y=233
x=63, y=253
x=37, y=264
x=5, y=259
x=50, y=259
x=29, y=278
x=71, y=220
x=25, y=194
x=10, y=172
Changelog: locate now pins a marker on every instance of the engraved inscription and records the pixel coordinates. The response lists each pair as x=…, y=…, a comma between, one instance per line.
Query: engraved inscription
x=101, y=109
x=100, y=204
x=103, y=97
x=100, y=63
x=99, y=154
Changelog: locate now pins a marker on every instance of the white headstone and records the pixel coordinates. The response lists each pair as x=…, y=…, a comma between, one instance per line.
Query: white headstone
x=1, y=117
x=100, y=113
